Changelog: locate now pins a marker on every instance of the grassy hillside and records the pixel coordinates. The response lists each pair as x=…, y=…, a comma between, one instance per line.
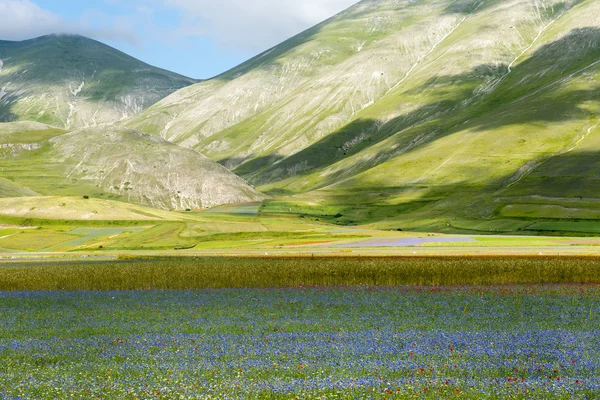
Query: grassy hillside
x=11, y=189
x=412, y=115
x=16, y=139
x=71, y=81
x=80, y=209
x=114, y=164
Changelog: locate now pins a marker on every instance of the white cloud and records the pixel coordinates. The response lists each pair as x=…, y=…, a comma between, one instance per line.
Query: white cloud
x=20, y=19
x=252, y=24
x=23, y=19
x=249, y=25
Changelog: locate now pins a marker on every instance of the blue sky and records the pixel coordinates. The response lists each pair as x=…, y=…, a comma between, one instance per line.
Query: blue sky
x=197, y=38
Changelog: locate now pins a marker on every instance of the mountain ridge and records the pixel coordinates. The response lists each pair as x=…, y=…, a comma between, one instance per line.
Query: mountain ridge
x=398, y=113
x=71, y=81
x=507, y=84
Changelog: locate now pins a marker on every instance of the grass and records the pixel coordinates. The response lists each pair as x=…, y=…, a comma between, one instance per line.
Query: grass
x=588, y=227
x=80, y=208
x=539, y=211
x=491, y=226
x=34, y=240
x=11, y=189
x=353, y=211
x=163, y=236
x=59, y=223
x=42, y=173
x=270, y=240
x=174, y=231
x=243, y=236
x=430, y=155
x=520, y=129
x=202, y=273
x=29, y=136
x=87, y=165
x=93, y=238
x=356, y=162
x=249, y=234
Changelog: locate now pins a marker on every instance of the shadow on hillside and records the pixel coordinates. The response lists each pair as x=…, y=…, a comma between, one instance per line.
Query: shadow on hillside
x=246, y=167
x=7, y=100
x=573, y=175
x=485, y=98
x=366, y=205
x=469, y=6
x=574, y=178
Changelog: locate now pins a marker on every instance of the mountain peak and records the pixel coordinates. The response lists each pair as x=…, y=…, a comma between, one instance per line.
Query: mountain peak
x=73, y=81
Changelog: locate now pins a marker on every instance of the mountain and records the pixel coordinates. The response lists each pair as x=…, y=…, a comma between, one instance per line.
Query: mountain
x=113, y=163
x=412, y=114
x=72, y=81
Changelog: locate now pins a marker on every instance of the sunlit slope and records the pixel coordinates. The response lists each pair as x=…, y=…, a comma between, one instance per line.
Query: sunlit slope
x=422, y=110
x=15, y=139
x=148, y=170
x=473, y=152
x=120, y=164
x=484, y=93
x=25, y=163
x=304, y=89
x=78, y=208
x=72, y=81
x=369, y=73
x=11, y=189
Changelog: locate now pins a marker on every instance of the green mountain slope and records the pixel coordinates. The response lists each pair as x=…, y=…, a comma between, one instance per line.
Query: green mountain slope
x=424, y=112
x=15, y=139
x=115, y=164
x=72, y=81
x=11, y=189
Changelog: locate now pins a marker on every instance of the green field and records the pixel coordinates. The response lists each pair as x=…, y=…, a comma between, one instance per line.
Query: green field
x=204, y=273
x=79, y=209
x=37, y=225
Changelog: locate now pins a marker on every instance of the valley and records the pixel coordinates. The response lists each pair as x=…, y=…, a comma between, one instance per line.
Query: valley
x=402, y=201
x=428, y=116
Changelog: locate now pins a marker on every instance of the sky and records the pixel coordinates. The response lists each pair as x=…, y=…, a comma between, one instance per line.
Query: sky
x=196, y=38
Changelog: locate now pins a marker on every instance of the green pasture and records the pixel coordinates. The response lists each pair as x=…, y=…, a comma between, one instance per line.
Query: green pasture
x=35, y=240
x=28, y=136
x=585, y=227
x=282, y=234
x=53, y=224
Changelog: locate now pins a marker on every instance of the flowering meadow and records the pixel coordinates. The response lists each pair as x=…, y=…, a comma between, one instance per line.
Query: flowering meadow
x=485, y=342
